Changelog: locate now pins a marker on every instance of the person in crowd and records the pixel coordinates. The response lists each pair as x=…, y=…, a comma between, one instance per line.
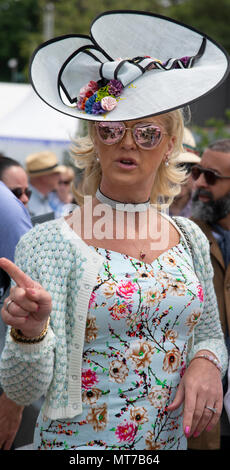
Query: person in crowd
x=211, y=212
x=112, y=324
x=182, y=203
x=16, y=424
x=62, y=200
x=44, y=172
x=15, y=178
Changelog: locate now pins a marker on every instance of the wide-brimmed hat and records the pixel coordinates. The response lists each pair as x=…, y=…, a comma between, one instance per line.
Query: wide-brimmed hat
x=190, y=154
x=43, y=163
x=133, y=65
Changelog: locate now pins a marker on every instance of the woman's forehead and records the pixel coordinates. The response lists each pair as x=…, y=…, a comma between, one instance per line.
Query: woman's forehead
x=149, y=119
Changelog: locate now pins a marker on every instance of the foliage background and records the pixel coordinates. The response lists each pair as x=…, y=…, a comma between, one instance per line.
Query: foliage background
x=22, y=23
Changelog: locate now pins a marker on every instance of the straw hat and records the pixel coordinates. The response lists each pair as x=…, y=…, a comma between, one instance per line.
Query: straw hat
x=133, y=65
x=189, y=155
x=43, y=163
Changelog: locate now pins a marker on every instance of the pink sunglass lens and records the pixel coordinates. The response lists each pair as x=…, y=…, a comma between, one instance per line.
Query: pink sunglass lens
x=147, y=136
x=110, y=133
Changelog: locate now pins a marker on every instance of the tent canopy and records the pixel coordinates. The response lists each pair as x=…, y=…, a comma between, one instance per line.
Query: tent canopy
x=28, y=125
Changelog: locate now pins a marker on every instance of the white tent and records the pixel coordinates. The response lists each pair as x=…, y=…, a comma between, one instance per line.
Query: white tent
x=28, y=125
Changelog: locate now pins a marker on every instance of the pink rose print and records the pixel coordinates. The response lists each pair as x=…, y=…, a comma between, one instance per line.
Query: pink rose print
x=126, y=289
x=200, y=293
x=119, y=310
x=92, y=299
x=89, y=379
x=126, y=431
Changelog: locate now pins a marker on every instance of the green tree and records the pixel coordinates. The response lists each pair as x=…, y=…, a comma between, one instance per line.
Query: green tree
x=18, y=20
x=209, y=16
x=75, y=16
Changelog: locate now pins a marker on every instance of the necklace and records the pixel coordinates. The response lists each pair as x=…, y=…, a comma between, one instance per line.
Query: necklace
x=122, y=206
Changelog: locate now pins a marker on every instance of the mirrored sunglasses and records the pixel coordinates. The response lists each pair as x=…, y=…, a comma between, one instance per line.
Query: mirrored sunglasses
x=147, y=136
x=211, y=176
x=18, y=192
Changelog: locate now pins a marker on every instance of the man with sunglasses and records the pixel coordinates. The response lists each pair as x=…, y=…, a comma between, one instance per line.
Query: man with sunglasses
x=211, y=211
x=15, y=178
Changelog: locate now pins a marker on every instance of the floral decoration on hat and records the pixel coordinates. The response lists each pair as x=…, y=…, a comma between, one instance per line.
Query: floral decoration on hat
x=104, y=74
x=94, y=99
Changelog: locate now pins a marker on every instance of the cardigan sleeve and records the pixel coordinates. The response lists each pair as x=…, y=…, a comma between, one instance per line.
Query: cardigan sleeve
x=208, y=333
x=26, y=370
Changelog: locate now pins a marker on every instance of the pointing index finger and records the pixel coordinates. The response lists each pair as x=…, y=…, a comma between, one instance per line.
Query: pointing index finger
x=19, y=277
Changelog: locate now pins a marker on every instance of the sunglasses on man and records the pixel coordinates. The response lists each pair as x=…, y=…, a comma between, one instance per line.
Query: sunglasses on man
x=211, y=176
x=18, y=192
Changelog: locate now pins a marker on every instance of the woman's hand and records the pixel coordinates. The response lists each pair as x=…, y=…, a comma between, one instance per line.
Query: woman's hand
x=28, y=306
x=200, y=388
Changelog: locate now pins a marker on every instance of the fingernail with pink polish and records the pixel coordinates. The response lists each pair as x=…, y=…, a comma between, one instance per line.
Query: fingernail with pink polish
x=196, y=434
x=187, y=430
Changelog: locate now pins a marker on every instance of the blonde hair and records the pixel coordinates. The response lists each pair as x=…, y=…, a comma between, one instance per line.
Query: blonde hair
x=168, y=180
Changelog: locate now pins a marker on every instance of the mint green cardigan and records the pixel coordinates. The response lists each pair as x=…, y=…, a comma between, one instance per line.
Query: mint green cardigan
x=52, y=254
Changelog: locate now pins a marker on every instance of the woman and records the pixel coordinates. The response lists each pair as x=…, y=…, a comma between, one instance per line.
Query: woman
x=116, y=334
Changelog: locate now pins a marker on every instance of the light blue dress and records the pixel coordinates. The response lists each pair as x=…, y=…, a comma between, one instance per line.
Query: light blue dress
x=140, y=319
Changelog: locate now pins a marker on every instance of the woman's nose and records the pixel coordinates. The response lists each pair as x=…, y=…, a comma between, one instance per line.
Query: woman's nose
x=128, y=140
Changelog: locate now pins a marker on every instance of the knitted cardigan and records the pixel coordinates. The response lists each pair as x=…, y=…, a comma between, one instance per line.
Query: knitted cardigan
x=52, y=254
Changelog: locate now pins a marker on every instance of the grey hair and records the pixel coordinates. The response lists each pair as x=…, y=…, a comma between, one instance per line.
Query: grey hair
x=222, y=145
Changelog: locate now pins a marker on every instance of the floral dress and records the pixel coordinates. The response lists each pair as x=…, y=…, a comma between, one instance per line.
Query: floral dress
x=140, y=319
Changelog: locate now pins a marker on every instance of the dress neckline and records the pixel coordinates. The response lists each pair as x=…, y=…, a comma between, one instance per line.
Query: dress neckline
x=137, y=259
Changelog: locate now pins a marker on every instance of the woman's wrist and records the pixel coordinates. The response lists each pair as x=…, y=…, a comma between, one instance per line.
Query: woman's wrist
x=208, y=356
x=36, y=336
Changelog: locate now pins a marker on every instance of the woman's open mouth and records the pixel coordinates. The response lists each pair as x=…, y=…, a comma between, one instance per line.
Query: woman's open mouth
x=127, y=163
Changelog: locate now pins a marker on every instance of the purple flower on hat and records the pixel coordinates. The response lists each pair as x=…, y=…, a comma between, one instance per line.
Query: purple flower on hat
x=97, y=109
x=115, y=87
x=184, y=61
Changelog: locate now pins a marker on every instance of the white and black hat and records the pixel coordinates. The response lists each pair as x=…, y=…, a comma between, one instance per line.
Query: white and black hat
x=133, y=65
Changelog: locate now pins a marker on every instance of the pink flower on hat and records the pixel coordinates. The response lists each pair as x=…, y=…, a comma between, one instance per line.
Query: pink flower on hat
x=92, y=86
x=108, y=103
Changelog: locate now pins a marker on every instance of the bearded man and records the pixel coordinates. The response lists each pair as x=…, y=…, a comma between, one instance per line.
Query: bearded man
x=211, y=211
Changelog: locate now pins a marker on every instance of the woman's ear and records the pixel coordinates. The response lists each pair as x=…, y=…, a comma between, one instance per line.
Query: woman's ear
x=171, y=145
x=169, y=149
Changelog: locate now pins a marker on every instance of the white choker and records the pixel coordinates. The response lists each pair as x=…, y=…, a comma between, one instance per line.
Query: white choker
x=122, y=206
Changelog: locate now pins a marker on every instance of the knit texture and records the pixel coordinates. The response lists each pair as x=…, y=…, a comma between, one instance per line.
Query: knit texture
x=52, y=254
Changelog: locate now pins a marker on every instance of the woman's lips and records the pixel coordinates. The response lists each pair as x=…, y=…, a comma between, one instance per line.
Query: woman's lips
x=127, y=164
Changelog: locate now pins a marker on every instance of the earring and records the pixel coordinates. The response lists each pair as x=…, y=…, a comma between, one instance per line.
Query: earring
x=167, y=161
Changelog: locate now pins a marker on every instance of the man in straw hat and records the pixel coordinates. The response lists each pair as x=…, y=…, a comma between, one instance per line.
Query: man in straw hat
x=140, y=383
x=43, y=170
x=182, y=202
